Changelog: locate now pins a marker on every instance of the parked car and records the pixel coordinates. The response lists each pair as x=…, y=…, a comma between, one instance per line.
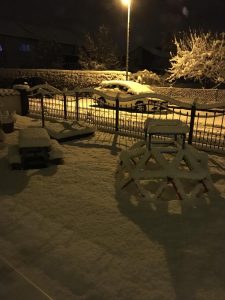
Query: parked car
x=125, y=89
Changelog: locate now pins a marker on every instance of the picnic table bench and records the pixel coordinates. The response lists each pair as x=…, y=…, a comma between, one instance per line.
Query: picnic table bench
x=35, y=149
x=34, y=146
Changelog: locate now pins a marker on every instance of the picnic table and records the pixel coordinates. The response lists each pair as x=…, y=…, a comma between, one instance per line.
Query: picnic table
x=34, y=146
x=161, y=127
x=35, y=149
x=166, y=163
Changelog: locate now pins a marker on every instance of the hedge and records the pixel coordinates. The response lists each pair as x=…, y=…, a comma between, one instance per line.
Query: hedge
x=60, y=78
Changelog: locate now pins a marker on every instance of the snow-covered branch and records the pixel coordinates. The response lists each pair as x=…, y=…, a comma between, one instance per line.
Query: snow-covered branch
x=200, y=57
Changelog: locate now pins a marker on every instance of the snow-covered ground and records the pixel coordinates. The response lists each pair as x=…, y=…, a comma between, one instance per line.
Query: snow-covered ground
x=71, y=232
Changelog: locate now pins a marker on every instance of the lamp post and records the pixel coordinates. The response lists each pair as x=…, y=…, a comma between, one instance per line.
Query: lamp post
x=128, y=4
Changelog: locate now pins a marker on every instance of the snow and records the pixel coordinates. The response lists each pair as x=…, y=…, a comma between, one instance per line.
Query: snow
x=135, y=87
x=74, y=233
x=186, y=171
x=200, y=56
x=34, y=137
x=64, y=130
x=8, y=92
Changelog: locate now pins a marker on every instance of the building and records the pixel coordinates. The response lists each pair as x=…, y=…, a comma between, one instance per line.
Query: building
x=29, y=46
x=150, y=59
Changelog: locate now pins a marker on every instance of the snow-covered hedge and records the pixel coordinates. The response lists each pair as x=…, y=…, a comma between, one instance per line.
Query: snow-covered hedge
x=188, y=95
x=71, y=79
x=61, y=78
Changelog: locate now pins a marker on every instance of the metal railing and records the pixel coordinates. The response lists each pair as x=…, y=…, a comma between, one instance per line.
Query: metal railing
x=206, y=122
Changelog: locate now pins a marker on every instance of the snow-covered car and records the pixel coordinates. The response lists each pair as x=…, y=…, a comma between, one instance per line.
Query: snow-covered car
x=109, y=89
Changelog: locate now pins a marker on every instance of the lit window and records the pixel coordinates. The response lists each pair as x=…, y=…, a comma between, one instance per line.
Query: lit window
x=24, y=47
x=1, y=48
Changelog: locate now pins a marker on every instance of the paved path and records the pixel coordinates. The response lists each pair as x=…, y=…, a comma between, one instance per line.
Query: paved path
x=14, y=285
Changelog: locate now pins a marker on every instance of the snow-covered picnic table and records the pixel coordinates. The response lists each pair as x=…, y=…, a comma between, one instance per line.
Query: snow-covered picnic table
x=153, y=167
x=161, y=127
x=34, y=145
x=35, y=149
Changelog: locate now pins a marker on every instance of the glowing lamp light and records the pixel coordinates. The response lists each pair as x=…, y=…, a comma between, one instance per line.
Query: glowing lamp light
x=126, y=2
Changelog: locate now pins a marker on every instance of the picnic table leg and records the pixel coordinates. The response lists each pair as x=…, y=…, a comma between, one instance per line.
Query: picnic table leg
x=149, y=141
x=184, y=138
x=179, y=188
x=147, y=195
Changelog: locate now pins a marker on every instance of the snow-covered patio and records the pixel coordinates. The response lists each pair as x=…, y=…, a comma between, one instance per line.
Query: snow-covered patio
x=73, y=234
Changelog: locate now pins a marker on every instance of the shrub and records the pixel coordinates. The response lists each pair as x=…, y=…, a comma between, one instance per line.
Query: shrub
x=199, y=57
x=146, y=77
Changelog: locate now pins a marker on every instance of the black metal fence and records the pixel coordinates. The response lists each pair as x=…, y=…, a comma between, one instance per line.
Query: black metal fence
x=206, y=123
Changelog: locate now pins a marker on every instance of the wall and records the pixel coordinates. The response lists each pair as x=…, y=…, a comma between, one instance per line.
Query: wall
x=10, y=100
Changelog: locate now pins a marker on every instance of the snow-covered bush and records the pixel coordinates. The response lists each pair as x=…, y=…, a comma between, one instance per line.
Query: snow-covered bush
x=200, y=57
x=146, y=77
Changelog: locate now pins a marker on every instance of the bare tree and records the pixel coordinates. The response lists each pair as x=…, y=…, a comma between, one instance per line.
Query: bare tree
x=98, y=51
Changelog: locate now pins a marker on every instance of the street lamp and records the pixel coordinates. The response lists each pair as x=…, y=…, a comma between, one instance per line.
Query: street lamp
x=128, y=4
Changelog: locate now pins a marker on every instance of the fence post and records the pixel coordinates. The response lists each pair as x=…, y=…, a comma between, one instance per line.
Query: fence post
x=192, y=121
x=42, y=112
x=24, y=102
x=65, y=106
x=77, y=106
x=117, y=113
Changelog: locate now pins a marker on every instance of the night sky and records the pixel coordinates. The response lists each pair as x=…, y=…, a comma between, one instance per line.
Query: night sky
x=151, y=20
